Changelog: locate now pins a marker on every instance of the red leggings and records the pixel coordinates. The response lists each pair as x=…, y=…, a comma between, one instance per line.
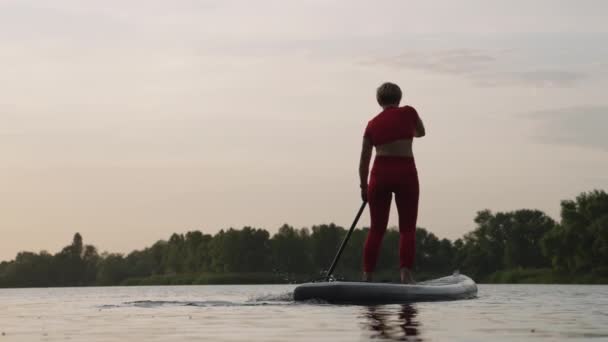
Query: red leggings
x=392, y=175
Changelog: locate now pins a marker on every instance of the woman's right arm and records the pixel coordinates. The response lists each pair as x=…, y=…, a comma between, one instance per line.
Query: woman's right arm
x=366, y=156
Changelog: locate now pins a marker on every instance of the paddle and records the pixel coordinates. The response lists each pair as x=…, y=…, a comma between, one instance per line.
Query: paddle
x=350, y=231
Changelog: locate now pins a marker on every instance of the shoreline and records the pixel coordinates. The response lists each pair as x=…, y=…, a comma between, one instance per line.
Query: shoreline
x=504, y=277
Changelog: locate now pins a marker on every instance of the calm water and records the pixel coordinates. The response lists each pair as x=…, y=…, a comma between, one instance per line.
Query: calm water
x=267, y=313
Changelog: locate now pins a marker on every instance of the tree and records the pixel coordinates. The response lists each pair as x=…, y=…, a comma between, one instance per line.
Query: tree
x=325, y=240
x=90, y=258
x=68, y=264
x=580, y=242
x=196, y=249
x=499, y=241
x=290, y=250
x=505, y=240
x=112, y=269
x=524, y=230
x=247, y=250
x=174, y=262
x=351, y=261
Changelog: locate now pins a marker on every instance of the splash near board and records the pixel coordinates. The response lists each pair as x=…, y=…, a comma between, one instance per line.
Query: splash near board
x=452, y=287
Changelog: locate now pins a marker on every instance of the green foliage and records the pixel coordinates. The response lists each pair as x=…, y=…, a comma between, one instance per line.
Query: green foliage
x=290, y=251
x=325, y=240
x=505, y=241
x=522, y=246
x=580, y=242
x=245, y=250
x=349, y=265
x=433, y=254
x=112, y=270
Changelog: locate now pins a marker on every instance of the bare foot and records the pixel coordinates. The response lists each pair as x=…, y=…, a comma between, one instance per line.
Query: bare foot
x=406, y=276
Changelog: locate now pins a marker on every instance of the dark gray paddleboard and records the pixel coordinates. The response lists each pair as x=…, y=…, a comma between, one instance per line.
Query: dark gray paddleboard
x=452, y=287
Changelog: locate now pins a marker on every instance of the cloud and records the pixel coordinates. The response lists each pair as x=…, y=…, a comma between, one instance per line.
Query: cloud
x=481, y=68
x=583, y=126
x=534, y=78
x=549, y=77
x=455, y=61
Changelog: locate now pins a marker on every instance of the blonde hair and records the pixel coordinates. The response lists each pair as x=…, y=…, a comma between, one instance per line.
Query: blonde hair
x=388, y=94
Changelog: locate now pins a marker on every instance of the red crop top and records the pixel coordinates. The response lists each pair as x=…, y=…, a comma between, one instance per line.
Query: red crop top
x=392, y=124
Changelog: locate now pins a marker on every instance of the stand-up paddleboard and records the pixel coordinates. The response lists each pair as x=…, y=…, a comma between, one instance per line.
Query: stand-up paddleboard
x=452, y=287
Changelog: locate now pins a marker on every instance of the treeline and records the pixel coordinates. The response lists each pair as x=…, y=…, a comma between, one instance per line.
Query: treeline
x=503, y=247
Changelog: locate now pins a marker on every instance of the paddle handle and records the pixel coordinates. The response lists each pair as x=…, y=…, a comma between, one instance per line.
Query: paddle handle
x=350, y=231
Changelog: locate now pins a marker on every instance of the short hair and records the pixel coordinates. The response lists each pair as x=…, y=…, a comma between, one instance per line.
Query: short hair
x=388, y=94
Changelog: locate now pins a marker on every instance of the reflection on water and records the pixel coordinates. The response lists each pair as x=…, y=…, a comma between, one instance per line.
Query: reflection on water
x=263, y=313
x=393, y=323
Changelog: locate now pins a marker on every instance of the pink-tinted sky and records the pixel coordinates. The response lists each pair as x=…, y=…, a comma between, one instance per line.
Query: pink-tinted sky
x=130, y=120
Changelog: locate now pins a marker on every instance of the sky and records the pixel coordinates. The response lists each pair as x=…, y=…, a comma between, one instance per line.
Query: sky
x=129, y=120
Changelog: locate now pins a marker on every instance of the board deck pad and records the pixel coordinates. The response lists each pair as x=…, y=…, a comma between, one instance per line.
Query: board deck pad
x=452, y=287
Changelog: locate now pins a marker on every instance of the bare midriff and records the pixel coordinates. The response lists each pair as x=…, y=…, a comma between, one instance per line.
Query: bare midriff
x=397, y=148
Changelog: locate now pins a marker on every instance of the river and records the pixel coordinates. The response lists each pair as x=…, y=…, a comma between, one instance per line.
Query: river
x=268, y=313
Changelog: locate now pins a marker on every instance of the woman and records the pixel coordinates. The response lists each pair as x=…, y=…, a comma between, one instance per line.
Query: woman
x=394, y=171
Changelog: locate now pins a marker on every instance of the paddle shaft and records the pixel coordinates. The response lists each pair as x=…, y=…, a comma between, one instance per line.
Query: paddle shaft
x=350, y=231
